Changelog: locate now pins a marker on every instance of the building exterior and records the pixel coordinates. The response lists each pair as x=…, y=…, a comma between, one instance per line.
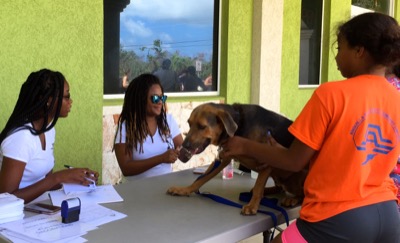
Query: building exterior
x=259, y=59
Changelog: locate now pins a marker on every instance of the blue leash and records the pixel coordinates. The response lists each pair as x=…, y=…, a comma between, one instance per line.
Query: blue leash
x=245, y=197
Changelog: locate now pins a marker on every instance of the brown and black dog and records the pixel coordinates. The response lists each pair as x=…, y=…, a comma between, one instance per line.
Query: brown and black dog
x=213, y=123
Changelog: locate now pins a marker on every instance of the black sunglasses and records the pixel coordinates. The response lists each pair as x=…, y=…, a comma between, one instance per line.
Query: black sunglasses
x=156, y=98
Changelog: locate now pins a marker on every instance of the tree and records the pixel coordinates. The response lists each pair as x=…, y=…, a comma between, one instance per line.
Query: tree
x=129, y=60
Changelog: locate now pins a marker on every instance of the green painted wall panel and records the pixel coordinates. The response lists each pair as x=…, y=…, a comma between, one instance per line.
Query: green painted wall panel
x=239, y=51
x=339, y=13
x=293, y=98
x=66, y=36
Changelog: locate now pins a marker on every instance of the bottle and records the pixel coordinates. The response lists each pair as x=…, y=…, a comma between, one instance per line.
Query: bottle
x=227, y=172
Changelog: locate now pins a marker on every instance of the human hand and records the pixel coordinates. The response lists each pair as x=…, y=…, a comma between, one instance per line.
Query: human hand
x=270, y=142
x=82, y=176
x=170, y=156
x=232, y=147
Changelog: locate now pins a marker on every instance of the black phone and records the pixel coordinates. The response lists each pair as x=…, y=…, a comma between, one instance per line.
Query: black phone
x=42, y=208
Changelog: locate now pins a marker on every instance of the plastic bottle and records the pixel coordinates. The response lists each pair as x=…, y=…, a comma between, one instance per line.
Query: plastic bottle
x=227, y=172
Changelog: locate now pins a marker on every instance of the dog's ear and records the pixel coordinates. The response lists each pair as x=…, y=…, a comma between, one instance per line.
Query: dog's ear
x=229, y=124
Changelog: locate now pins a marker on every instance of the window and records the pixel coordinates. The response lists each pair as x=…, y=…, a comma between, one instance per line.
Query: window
x=362, y=6
x=179, y=35
x=310, y=42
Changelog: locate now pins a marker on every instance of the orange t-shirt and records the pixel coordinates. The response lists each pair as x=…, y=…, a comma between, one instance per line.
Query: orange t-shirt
x=354, y=127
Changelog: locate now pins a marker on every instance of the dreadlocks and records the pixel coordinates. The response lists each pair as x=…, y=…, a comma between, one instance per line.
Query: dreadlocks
x=34, y=104
x=134, y=113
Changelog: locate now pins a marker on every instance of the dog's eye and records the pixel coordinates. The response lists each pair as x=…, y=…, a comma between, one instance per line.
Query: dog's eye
x=201, y=127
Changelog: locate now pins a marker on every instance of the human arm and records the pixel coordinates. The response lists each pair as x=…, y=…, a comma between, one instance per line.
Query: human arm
x=12, y=171
x=294, y=158
x=125, y=82
x=178, y=140
x=131, y=167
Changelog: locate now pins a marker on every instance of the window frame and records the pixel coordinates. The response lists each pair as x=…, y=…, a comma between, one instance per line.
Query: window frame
x=217, y=19
x=320, y=68
x=355, y=10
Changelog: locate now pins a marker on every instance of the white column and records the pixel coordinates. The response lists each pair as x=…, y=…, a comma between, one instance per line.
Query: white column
x=267, y=53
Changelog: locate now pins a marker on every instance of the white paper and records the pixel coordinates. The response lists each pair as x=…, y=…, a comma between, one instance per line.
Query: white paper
x=74, y=188
x=9, y=201
x=11, y=208
x=6, y=219
x=97, y=215
x=102, y=194
x=42, y=198
x=19, y=238
x=48, y=228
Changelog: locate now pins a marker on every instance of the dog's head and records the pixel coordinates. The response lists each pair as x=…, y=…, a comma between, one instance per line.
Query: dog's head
x=208, y=124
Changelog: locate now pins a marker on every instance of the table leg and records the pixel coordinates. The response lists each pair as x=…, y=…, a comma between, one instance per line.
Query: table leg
x=267, y=236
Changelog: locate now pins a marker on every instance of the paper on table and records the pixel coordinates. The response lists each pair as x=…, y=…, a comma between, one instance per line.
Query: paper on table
x=8, y=201
x=73, y=188
x=90, y=216
x=19, y=238
x=47, y=228
x=97, y=215
x=11, y=208
x=102, y=194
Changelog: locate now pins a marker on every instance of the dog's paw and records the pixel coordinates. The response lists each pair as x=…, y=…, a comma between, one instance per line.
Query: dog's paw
x=249, y=210
x=290, y=201
x=179, y=191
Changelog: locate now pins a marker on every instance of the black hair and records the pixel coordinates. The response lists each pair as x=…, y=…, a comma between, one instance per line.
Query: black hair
x=134, y=113
x=166, y=64
x=191, y=70
x=33, y=103
x=378, y=33
x=396, y=70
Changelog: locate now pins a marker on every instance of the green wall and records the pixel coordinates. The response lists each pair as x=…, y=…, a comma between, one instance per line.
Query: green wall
x=239, y=51
x=66, y=36
x=294, y=98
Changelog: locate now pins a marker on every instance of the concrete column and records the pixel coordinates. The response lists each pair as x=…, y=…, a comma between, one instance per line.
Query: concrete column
x=267, y=53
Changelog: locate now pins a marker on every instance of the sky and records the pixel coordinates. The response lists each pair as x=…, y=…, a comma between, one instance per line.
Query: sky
x=183, y=25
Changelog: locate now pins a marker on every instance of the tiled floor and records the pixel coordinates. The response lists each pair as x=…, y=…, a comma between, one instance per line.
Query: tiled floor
x=259, y=237
x=254, y=239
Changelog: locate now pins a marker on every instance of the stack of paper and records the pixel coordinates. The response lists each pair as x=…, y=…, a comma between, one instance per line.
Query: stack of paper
x=11, y=208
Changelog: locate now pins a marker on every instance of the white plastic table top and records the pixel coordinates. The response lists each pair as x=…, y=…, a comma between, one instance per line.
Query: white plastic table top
x=154, y=216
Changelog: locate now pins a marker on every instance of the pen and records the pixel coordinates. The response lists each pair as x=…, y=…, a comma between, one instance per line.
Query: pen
x=92, y=181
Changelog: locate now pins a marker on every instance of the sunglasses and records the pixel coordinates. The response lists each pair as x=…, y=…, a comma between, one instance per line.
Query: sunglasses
x=157, y=98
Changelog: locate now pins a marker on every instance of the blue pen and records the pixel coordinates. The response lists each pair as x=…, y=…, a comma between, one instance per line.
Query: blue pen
x=68, y=167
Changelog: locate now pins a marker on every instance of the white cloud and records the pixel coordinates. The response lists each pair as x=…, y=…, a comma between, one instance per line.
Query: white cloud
x=166, y=37
x=197, y=12
x=137, y=28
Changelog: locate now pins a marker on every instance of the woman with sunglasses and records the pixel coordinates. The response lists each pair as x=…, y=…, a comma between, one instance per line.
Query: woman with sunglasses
x=147, y=139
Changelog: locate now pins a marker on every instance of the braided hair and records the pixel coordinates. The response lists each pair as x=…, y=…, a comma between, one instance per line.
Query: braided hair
x=134, y=113
x=33, y=103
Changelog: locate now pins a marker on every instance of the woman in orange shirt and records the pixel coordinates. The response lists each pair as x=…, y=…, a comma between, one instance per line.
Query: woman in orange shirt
x=348, y=133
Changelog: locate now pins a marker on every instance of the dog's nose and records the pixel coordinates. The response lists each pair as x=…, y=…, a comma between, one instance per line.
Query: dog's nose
x=186, y=143
x=184, y=155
